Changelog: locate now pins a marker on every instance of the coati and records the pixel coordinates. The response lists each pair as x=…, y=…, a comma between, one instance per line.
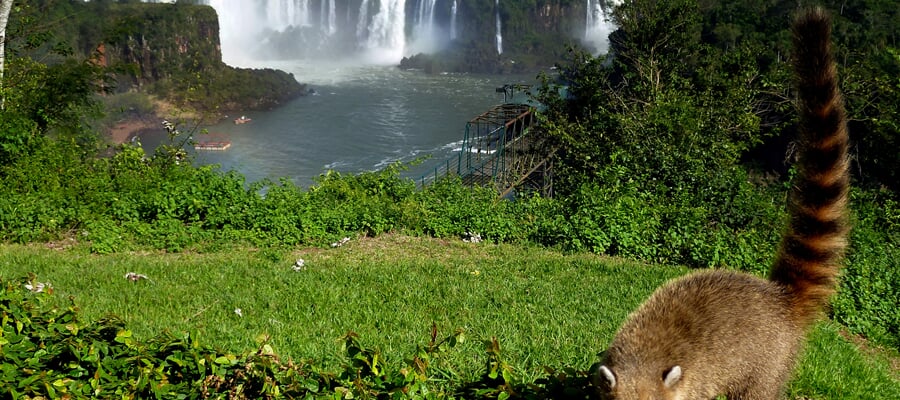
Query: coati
x=719, y=332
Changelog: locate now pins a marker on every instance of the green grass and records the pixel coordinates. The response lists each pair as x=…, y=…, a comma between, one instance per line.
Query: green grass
x=834, y=368
x=545, y=308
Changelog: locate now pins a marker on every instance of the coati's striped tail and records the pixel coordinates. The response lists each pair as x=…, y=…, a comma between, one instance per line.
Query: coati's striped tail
x=809, y=259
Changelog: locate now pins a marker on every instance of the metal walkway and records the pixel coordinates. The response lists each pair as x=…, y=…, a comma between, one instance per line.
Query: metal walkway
x=502, y=150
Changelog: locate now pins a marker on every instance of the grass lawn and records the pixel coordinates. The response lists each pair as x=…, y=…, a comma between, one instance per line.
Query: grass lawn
x=544, y=307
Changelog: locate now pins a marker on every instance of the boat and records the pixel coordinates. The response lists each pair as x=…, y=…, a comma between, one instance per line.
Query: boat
x=213, y=145
x=242, y=120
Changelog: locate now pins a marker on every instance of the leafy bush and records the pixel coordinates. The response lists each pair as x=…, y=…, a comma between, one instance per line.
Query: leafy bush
x=450, y=209
x=720, y=221
x=867, y=302
x=18, y=136
x=46, y=351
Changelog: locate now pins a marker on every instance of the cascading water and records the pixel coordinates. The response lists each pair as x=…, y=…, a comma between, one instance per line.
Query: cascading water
x=598, y=24
x=362, y=25
x=499, y=28
x=424, y=16
x=427, y=36
x=453, y=9
x=367, y=31
x=288, y=13
x=387, y=39
x=372, y=32
x=329, y=17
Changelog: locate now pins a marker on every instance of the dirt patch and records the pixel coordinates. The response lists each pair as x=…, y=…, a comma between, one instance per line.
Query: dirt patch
x=126, y=129
x=133, y=124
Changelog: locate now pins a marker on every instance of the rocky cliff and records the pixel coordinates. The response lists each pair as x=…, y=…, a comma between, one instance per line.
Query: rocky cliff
x=534, y=35
x=170, y=50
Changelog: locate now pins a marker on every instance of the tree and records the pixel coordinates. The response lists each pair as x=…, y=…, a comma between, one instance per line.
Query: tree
x=655, y=38
x=5, y=9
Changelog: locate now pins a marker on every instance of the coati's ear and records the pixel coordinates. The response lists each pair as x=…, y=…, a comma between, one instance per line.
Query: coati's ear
x=672, y=376
x=606, y=376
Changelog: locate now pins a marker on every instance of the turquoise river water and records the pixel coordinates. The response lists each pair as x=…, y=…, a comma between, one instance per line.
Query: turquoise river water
x=361, y=118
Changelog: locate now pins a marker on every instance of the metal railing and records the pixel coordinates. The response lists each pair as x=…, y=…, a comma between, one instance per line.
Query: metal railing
x=485, y=156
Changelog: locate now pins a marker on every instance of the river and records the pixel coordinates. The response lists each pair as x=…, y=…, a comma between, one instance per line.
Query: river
x=361, y=118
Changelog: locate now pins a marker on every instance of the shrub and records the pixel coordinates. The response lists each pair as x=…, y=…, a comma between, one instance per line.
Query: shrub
x=867, y=302
x=448, y=208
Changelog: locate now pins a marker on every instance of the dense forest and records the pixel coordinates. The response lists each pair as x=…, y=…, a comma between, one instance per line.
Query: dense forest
x=684, y=135
x=170, y=51
x=675, y=148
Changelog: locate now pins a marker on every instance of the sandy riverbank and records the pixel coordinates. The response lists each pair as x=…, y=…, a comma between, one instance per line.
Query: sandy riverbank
x=130, y=126
x=124, y=130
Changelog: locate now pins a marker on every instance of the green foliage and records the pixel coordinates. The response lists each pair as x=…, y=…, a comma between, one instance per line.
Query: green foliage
x=120, y=106
x=46, y=350
x=655, y=39
x=655, y=142
x=865, y=35
x=650, y=168
x=450, y=209
x=873, y=99
x=726, y=223
x=18, y=136
x=57, y=98
x=185, y=65
x=867, y=302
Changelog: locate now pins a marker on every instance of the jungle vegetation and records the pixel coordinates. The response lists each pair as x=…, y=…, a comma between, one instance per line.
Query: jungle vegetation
x=674, y=152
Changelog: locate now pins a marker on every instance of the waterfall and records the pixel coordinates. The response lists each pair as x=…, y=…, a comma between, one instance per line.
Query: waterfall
x=387, y=39
x=424, y=17
x=598, y=24
x=283, y=14
x=362, y=26
x=499, y=28
x=453, y=21
x=373, y=31
x=327, y=20
x=303, y=15
x=425, y=33
x=332, y=18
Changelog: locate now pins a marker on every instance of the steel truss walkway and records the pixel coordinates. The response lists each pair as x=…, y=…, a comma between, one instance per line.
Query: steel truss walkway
x=501, y=150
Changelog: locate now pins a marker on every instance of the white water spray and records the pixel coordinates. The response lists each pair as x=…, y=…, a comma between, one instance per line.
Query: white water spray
x=387, y=39
x=424, y=17
x=287, y=13
x=499, y=28
x=425, y=32
x=326, y=17
x=453, y=21
x=332, y=18
x=362, y=26
x=598, y=24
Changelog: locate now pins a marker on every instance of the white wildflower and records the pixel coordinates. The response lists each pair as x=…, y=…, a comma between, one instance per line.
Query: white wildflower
x=472, y=237
x=299, y=265
x=238, y=312
x=340, y=242
x=38, y=287
x=134, y=277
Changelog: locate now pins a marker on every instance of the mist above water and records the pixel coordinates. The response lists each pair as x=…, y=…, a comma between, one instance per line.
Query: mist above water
x=598, y=24
x=374, y=32
x=367, y=32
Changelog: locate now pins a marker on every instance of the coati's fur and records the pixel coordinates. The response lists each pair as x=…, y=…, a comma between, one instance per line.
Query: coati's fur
x=727, y=333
